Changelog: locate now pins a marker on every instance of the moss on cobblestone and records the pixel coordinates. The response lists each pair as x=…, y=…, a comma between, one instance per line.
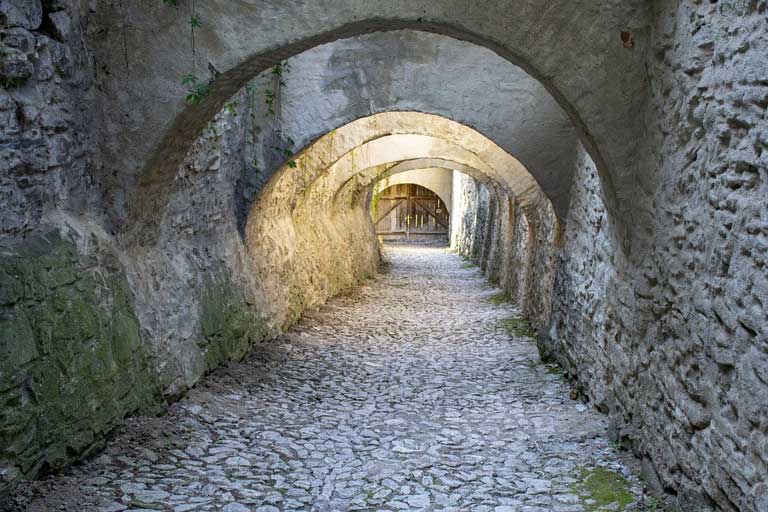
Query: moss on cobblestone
x=497, y=299
x=602, y=489
x=517, y=326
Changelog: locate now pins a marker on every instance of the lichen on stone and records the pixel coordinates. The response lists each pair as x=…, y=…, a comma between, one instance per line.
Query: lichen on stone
x=230, y=326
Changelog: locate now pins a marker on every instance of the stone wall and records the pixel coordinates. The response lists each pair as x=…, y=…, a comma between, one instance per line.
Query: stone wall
x=46, y=146
x=516, y=249
x=683, y=390
x=72, y=360
x=664, y=327
x=94, y=327
x=694, y=386
x=669, y=337
x=195, y=296
x=576, y=334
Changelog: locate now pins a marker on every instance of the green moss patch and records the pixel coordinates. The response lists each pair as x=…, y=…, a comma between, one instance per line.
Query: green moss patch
x=72, y=361
x=467, y=265
x=497, y=299
x=518, y=326
x=230, y=325
x=601, y=489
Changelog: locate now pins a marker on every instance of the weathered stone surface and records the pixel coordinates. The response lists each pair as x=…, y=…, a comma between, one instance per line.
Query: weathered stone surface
x=27, y=14
x=72, y=361
x=666, y=338
x=14, y=67
x=48, y=141
x=516, y=247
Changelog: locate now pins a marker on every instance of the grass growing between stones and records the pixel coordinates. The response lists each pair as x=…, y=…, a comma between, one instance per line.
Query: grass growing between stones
x=497, y=299
x=602, y=489
x=554, y=370
x=517, y=326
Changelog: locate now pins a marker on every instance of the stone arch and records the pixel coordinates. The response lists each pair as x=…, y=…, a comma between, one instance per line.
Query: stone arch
x=390, y=138
x=548, y=42
x=366, y=177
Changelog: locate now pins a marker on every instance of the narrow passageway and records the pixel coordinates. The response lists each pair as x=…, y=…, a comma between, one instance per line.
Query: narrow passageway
x=410, y=393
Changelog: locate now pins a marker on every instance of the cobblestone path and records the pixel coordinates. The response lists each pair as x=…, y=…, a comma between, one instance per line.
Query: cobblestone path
x=409, y=394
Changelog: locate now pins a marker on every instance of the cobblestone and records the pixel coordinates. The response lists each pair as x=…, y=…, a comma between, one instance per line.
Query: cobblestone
x=406, y=394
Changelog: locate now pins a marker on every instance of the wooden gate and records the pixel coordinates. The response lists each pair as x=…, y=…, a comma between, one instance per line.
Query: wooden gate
x=410, y=211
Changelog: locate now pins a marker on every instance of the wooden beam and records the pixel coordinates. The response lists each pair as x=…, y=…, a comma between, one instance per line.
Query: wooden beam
x=432, y=212
x=387, y=212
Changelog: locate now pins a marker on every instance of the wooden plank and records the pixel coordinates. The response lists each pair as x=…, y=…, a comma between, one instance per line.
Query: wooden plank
x=387, y=212
x=432, y=213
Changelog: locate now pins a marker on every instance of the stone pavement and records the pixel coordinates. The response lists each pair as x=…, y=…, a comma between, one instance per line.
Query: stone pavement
x=411, y=393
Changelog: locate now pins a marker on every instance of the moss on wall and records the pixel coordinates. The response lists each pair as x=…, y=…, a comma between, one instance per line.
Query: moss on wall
x=229, y=324
x=72, y=362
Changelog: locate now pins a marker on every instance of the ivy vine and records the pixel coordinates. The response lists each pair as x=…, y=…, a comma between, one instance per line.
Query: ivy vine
x=198, y=88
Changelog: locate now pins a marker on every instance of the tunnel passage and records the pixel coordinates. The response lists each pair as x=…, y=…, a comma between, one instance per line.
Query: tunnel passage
x=310, y=233
x=128, y=266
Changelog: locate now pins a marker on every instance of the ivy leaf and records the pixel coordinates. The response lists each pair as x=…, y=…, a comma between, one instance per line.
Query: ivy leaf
x=197, y=92
x=189, y=79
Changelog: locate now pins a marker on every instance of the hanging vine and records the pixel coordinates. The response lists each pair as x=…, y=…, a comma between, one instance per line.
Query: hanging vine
x=198, y=88
x=271, y=100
